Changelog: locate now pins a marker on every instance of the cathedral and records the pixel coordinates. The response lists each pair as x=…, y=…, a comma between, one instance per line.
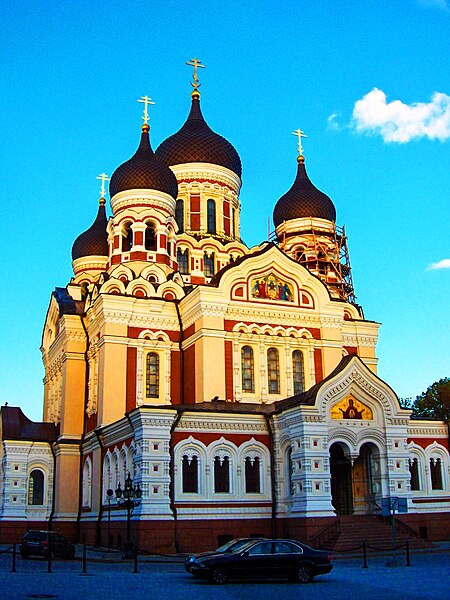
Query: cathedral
x=236, y=387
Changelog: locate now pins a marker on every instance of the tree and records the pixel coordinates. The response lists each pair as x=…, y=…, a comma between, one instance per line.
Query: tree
x=434, y=403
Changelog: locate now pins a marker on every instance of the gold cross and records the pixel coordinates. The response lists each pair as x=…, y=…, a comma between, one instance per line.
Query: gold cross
x=300, y=134
x=146, y=101
x=196, y=63
x=104, y=177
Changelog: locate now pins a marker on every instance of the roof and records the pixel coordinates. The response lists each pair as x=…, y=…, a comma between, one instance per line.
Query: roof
x=93, y=241
x=16, y=426
x=303, y=200
x=197, y=142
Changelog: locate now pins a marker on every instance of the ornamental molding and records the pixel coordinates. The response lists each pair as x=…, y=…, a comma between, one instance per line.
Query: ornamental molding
x=210, y=425
x=75, y=336
x=207, y=171
x=272, y=316
x=331, y=322
x=142, y=321
x=363, y=341
x=136, y=198
x=427, y=431
x=204, y=310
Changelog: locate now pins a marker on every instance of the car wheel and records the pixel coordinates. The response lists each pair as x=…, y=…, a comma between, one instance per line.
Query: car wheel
x=304, y=574
x=219, y=576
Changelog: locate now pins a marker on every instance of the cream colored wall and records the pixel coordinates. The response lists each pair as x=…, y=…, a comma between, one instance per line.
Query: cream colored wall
x=67, y=479
x=112, y=374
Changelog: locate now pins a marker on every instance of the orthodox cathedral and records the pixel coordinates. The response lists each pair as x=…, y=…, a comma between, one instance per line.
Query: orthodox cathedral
x=236, y=387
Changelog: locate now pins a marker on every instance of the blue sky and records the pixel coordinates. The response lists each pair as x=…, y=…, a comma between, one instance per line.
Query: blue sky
x=369, y=82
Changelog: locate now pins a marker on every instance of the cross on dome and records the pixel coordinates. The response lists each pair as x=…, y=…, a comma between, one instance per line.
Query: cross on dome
x=299, y=134
x=196, y=63
x=103, y=177
x=146, y=101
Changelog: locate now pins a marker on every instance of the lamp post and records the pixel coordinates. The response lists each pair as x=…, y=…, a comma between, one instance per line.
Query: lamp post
x=129, y=498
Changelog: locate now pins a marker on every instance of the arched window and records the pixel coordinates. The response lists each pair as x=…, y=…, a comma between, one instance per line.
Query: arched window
x=298, y=371
x=211, y=217
x=208, y=264
x=36, y=488
x=248, y=370
x=127, y=238
x=86, y=491
x=252, y=475
x=221, y=474
x=183, y=261
x=273, y=371
x=150, y=236
x=436, y=473
x=179, y=215
x=414, y=471
x=290, y=472
x=152, y=375
x=190, y=474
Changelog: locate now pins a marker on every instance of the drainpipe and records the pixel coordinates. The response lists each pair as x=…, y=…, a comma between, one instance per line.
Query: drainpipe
x=173, y=508
x=273, y=523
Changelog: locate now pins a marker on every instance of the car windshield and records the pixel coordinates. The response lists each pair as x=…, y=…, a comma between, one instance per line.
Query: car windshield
x=36, y=535
x=225, y=546
x=239, y=545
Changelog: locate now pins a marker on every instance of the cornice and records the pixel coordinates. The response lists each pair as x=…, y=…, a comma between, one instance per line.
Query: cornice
x=201, y=171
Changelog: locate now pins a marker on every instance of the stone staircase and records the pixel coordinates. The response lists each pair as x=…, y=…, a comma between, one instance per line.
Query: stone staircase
x=376, y=532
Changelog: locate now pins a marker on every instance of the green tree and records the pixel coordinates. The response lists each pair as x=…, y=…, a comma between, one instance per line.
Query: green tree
x=434, y=403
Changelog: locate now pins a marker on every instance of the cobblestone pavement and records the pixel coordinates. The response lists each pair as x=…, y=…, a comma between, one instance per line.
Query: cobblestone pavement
x=427, y=578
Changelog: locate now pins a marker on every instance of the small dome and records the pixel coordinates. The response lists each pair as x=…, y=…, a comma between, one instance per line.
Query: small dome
x=94, y=241
x=197, y=142
x=303, y=200
x=144, y=170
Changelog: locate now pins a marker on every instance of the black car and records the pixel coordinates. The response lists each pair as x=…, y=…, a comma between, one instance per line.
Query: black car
x=48, y=544
x=264, y=559
x=231, y=546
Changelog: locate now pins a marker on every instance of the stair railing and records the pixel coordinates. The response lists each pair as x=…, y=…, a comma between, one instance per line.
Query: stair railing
x=327, y=535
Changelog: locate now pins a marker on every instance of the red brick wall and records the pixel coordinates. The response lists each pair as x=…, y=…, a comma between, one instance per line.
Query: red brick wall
x=189, y=375
x=229, y=389
x=131, y=378
x=318, y=364
x=175, y=377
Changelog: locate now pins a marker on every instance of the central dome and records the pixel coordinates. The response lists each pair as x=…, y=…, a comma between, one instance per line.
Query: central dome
x=303, y=200
x=144, y=170
x=197, y=142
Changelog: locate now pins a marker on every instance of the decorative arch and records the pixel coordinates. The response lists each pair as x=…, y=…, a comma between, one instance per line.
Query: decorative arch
x=87, y=484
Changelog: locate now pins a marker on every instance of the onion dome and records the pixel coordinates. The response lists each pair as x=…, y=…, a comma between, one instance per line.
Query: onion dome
x=144, y=170
x=303, y=200
x=94, y=241
x=197, y=142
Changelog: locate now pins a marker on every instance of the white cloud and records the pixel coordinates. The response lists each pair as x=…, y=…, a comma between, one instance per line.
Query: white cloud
x=442, y=4
x=399, y=122
x=333, y=122
x=442, y=264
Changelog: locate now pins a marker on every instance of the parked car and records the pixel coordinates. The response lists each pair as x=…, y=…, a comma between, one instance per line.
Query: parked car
x=48, y=544
x=264, y=559
x=231, y=546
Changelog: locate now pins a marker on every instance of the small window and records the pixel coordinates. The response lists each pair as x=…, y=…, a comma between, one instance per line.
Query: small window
x=298, y=371
x=179, y=215
x=436, y=474
x=127, y=238
x=222, y=475
x=190, y=475
x=247, y=366
x=211, y=217
x=183, y=261
x=36, y=488
x=152, y=375
x=414, y=471
x=252, y=475
x=150, y=236
x=208, y=265
x=273, y=371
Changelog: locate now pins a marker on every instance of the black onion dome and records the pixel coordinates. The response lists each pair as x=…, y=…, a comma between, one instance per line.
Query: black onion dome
x=94, y=241
x=144, y=170
x=303, y=200
x=197, y=142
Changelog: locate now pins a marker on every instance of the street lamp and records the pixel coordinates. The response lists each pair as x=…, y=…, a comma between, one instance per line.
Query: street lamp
x=128, y=498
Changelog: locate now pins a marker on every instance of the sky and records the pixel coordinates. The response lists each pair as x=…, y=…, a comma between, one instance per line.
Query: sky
x=367, y=81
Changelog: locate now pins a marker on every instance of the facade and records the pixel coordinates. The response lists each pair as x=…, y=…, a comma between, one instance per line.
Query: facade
x=238, y=386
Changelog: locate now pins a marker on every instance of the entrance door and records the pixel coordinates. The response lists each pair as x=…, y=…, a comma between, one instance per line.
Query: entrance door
x=341, y=481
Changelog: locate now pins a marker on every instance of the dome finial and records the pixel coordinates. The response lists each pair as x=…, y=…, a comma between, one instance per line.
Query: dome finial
x=103, y=177
x=146, y=101
x=300, y=134
x=196, y=63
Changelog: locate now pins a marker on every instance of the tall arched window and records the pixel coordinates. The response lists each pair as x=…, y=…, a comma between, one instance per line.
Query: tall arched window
x=150, y=236
x=208, y=264
x=248, y=370
x=183, y=261
x=36, y=488
x=252, y=475
x=298, y=371
x=290, y=472
x=436, y=474
x=127, y=238
x=179, y=215
x=221, y=474
x=414, y=471
x=152, y=375
x=86, y=488
x=211, y=217
x=190, y=474
x=273, y=371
